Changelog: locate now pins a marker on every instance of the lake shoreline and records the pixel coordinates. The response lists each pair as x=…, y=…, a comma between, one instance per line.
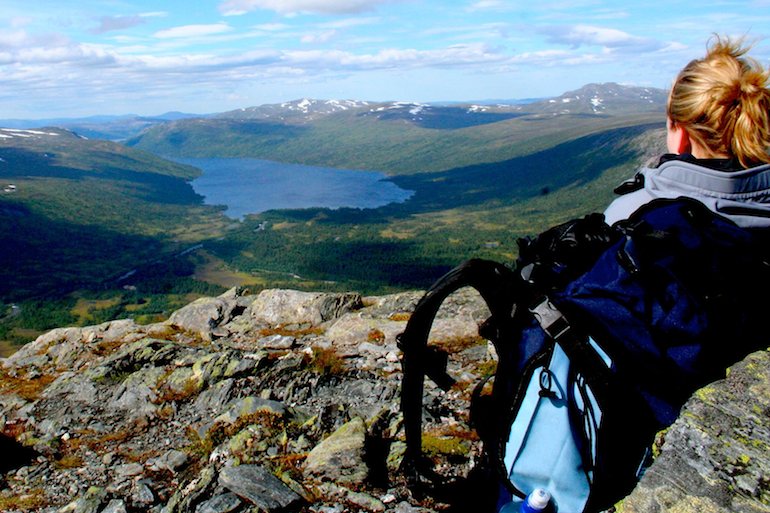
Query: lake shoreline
x=248, y=186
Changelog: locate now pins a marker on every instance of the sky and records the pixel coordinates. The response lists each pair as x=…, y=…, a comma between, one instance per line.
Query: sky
x=96, y=57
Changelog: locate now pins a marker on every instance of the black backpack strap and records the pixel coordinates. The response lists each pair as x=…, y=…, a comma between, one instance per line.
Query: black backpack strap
x=576, y=346
x=496, y=284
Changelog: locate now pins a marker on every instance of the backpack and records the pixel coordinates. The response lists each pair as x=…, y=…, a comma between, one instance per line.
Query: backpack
x=601, y=333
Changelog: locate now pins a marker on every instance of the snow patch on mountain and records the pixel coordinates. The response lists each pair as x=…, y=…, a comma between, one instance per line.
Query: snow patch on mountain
x=10, y=133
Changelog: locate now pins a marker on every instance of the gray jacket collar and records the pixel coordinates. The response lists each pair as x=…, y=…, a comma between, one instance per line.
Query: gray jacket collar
x=742, y=196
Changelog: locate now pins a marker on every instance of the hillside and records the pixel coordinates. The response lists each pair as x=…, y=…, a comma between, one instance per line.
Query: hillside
x=95, y=230
x=77, y=214
x=403, y=138
x=56, y=151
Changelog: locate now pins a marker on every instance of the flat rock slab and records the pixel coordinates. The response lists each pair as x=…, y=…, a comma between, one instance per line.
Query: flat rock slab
x=258, y=486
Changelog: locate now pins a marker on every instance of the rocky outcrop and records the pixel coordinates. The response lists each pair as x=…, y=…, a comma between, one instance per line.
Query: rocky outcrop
x=288, y=401
x=716, y=457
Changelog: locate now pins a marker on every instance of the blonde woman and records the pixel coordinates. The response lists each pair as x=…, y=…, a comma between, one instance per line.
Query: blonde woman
x=718, y=133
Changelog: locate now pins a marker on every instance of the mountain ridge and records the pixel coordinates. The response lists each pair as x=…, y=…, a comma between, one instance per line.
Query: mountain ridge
x=126, y=126
x=402, y=137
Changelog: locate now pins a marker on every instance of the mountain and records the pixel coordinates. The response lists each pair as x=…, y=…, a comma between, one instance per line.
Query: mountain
x=113, y=128
x=303, y=110
x=608, y=98
x=402, y=137
x=604, y=99
x=306, y=111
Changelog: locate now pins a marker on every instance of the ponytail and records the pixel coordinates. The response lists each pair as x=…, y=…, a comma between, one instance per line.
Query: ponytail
x=723, y=101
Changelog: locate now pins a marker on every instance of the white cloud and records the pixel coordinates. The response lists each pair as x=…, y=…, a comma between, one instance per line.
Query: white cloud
x=188, y=31
x=272, y=27
x=485, y=5
x=353, y=22
x=294, y=7
x=589, y=35
x=110, y=23
x=394, y=58
x=319, y=37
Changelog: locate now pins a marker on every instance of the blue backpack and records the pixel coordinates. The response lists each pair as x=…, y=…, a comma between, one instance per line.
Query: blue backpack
x=602, y=333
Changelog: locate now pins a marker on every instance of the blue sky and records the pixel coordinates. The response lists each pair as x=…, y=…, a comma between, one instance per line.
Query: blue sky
x=87, y=57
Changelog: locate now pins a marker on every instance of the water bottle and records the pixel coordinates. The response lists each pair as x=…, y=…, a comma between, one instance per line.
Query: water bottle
x=536, y=502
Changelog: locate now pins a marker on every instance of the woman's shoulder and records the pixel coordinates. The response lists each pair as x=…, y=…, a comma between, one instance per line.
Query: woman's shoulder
x=625, y=205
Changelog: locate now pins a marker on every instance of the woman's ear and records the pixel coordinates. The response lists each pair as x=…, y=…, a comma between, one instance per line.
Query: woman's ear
x=677, y=138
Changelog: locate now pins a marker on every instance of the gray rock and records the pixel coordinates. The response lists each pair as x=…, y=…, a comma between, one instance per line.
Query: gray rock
x=90, y=502
x=204, y=315
x=275, y=307
x=142, y=495
x=214, y=397
x=340, y=457
x=72, y=387
x=392, y=304
x=249, y=405
x=716, y=456
x=276, y=342
x=365, y=502
x=171, y=461
x=405, y=507
x=147, y=352
x=138, y=392
x=129, y=470
x=347, y=333
x=115, y=506
x=258, y=486
x=225, y=503
x=193, y=493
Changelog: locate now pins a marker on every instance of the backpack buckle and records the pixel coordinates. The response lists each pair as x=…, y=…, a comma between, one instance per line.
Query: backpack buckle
x=550, y=318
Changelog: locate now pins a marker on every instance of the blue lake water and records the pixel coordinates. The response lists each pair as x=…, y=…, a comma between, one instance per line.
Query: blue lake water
x=250, y=186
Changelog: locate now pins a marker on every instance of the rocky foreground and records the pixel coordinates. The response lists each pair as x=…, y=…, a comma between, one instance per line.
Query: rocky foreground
x=288, y=401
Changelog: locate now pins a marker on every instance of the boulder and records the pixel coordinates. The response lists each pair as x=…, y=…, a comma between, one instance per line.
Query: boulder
x=275, y=307
x=203, y=316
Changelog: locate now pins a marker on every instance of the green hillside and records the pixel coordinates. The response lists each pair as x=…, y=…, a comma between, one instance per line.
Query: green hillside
x=92, y=230
x=77, y=214
x=403, y=138
x=353, y=141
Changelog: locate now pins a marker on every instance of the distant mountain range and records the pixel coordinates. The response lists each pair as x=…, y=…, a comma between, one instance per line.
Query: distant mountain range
x=107, y=127
x=593, y=99
x=608, y=98
x=402, y=137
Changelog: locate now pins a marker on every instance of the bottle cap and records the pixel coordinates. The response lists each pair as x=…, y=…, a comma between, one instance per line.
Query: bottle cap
x=539, y=499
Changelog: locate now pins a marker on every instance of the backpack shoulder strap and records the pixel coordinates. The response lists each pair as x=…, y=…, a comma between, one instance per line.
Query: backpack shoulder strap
x=496, y=284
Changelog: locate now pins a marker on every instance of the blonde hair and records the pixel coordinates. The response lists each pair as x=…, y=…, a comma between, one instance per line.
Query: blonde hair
x=723, y=102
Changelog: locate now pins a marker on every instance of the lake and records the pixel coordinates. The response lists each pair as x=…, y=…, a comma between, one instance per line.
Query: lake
x=250, y=186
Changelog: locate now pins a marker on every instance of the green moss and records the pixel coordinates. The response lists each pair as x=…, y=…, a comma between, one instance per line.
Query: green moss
x=444, y=446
